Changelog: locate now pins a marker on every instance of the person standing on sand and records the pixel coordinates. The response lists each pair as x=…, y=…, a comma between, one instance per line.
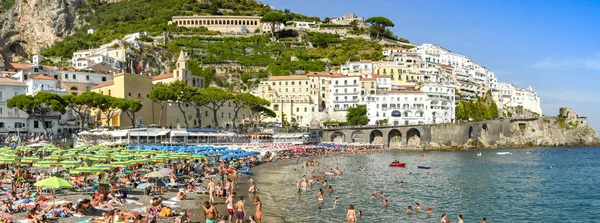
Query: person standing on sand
x=240, y=211
x=210, y=213
x=351, y=215
x=211, y=191
x=258, y=204
x=229, y=203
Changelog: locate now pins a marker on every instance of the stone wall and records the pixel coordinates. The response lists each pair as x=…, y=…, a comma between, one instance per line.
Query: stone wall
x=497, y=133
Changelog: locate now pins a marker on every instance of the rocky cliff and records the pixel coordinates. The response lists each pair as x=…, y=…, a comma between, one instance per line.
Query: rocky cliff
x=549, y=132
x=31, y=25
x=540, y=132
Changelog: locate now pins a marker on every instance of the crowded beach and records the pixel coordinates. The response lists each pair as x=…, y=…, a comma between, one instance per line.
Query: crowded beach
x=140, y=183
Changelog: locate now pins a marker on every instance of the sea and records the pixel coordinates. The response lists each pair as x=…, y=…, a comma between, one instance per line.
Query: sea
x=529, y=185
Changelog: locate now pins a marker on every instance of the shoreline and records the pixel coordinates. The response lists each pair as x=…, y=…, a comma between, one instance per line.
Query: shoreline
x=472, y=148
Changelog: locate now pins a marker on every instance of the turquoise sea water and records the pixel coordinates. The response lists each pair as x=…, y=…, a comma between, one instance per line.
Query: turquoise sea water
x=548, y=185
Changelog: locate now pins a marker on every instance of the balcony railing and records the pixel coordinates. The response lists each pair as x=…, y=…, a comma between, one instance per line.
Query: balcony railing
x=346, y=93
x=12, y=115
x=341, y=109
x=346, y=100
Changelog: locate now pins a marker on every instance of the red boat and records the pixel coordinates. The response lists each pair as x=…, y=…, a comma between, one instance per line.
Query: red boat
x=398, y=164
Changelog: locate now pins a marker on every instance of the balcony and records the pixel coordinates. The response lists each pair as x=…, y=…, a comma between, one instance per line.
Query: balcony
x=346, y=100
x=12, y=115
x=346, y=93
x=341, y=109
x=346, y=85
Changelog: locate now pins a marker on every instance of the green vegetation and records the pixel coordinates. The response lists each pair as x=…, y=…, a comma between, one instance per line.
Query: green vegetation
x=334, y=123
x=274, y=19
x=7, y=5
x=482, y=108
x=379, y=25
x=357, y=115
x=40, y=106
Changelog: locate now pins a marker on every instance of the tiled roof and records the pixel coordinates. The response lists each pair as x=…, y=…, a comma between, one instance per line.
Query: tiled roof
x=19, y=66
x=323, y=74
x=162, y=76
x=382, y=76
x=108, y=83
x=6, y=80
x=42, y=77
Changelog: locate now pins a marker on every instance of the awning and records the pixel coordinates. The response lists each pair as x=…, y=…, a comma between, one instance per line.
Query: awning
x=179, y=133
x=119, y=133
x=138, y=134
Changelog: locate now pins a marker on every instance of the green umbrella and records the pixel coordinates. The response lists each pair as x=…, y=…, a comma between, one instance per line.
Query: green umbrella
x=198, y=157
x=9, y=156
x=70, y=163
x=85, y=155
x=55, y=183
x=139, y=161
x=45, y=164
x=122, y=157
x=120, y=164
x=99, y=157
x=158, y=159
x=8, y=161
x=54, y=157
x=29, y=159
x=103, y=166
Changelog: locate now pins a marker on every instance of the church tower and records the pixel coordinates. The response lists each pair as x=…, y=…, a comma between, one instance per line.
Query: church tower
x=181, y=72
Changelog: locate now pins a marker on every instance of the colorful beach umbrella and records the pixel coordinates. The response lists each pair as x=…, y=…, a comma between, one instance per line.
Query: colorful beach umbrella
x=8, y=161
x=55, y=183
x=29, y=159
x=86, y=169
x=100, y=157
x=69, y=163
x=46, y=163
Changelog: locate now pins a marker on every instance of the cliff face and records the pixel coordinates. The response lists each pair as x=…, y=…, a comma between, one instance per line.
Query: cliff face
x=31, y=25
x=549, y=132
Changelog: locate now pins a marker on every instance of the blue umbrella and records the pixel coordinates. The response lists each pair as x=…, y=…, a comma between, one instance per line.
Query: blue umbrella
x=144, y=186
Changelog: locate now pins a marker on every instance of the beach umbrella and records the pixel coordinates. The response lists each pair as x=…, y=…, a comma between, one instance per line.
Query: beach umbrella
x=143, y=186
x=103, y=166
x=139, y=161
x=46, y=163
x=122, y=157
x=99, y=157
x=86, y=169
x=10, y=156
x=54, y=157
x=54, y=183
x=156, y=174
x=8, y=161
x=85, y=155
x=69, y=163
x=165, y=171
x=120, y=164
x=157, y=159
x=29, y=159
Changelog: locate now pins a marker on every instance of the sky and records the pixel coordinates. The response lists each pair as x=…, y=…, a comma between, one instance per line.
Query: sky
x=550, y=45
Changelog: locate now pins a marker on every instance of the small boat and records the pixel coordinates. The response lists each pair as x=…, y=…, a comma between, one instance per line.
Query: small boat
x=249, y=172
x=479, y=154
x=398, y=164
x=424, y=167
x=329, y=173
x=504, y=153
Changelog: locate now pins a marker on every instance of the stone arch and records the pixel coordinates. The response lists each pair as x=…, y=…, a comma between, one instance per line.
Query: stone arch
x=413, y=137
x=394, y=138
x=358, y=136
x=376, y=137
x=74, y=88
x=338, y=137
x=484, y=127
x=470, y=132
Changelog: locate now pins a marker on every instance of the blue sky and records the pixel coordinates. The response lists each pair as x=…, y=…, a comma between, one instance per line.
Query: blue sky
x=551, y=45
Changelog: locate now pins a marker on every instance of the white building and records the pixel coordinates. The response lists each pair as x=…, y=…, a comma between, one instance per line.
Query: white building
x=508, y=95
x=43, y=83
x=398, y=108
x=304, y=25
x=114, y=57
x=37, y=59
x=363, y=67
x=132, y=37
x=441, y=103
x=12, y=120
x=347, y=19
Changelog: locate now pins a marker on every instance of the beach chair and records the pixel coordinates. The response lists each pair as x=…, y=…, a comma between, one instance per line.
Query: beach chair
x=178, y=185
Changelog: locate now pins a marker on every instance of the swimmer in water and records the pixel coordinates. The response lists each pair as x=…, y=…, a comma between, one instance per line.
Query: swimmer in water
x=330, y=189
x=385, y=203
x=324, y=183
x=381, y=195
x=429, y=211
x=335, y=202
x=409, y=209
x=417, y=206
x=351, y=215
x=320, y=195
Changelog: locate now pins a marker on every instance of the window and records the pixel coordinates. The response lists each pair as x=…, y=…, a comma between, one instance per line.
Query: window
x=56, y=77
x=297, y=109
x=129, y=94
x=36, y=124
x=66, y=76
x=109, y=93
x=313, y=109
x=221, y=114
x=74, y=77
x=1, y=125
x=103, y=78
x=229, y=104
x=229, y=115
x=275, y=107
x=87, y=77
x=206, y=114
x=139, y=95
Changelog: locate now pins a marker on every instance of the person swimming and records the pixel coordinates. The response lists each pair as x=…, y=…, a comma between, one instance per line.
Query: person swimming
x=409, y=209
x=385, y=203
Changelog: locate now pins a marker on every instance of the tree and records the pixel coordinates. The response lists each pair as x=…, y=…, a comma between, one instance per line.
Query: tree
x=184, y=94
x=162, y=94
x=216, y=99
x=326, y=20
x=378, y=24
x=39, y=106
x=107, y=106
x=129, y=107
x=273, y=19
x=82, y=104
x=262, y=112
x=357, y=115
x=246, y=100
x=208, y=73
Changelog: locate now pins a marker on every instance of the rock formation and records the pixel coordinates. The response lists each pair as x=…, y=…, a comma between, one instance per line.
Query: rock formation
x=31, y=25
